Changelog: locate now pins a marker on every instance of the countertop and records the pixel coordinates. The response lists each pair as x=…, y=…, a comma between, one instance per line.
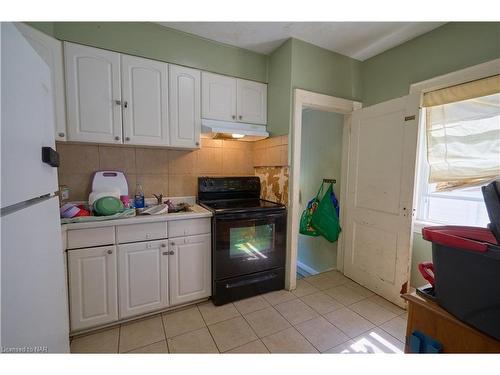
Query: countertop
x=196, y=212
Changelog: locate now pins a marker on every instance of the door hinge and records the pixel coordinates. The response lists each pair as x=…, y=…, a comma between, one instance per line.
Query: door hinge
x=409, y=118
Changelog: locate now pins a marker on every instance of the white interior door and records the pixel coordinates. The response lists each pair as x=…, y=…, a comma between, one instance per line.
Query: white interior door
x=378, y=207
x=145, y=101
x=93, y=94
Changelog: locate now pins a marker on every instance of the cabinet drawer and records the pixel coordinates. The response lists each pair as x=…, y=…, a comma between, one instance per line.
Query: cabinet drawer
x=178, y=228
x=141, y=232
x=78, y=238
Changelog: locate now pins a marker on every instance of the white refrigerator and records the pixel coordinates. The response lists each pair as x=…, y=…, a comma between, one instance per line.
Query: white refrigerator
x=34, y=310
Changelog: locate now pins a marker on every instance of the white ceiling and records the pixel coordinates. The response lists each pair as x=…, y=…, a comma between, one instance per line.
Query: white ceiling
x=359, y=40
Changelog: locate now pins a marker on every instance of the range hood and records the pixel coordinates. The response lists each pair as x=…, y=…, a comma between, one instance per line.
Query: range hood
x=240, y=131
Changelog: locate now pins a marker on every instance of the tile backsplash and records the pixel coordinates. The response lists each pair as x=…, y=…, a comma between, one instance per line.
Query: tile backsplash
x=171, y=172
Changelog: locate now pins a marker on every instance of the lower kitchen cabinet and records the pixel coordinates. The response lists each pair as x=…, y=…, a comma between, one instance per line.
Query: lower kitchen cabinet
x=189, y=268
x=142, y=277
x=92, y=287
x=128, y=279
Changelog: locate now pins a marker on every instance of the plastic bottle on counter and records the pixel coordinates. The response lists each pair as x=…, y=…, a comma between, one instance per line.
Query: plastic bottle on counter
x=139, y=197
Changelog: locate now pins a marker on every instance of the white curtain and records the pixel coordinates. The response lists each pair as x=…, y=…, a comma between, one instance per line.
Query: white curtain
x=463, y=138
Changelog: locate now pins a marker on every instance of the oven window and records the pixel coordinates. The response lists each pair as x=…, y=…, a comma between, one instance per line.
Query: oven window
x=251, y=242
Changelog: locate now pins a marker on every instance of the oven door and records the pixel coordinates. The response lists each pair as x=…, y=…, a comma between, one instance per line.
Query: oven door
x=248, y=243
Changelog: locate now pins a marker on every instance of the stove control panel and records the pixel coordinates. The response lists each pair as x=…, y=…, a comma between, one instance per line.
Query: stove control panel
x=228, y=187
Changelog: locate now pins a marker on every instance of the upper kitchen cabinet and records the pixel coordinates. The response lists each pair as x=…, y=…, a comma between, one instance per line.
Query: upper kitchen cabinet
x=251, y=101
x=231, y=99
x=218, y=97
x=144, y=101
x=93, y=94
x=51, y=51
x=185, y=106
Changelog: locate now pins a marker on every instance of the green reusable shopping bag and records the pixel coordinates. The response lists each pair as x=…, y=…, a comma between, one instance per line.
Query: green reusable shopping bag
x=305, y=220
x=325, y=219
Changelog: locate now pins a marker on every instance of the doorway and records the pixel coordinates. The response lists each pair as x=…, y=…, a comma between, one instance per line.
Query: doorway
x=321, y=156
x=307, y=100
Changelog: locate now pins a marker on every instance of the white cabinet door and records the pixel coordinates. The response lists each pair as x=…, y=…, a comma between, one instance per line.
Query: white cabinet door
x=185, y=106
x=92, y=287
x=93, y=94
x=143, y=277
x=144, y=101
x=51, y=51
x=218, y=97
x=190, y=268
x=252, y=102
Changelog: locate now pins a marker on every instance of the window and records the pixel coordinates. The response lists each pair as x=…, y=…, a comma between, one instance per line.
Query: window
x=464, y=155
x=456, y=207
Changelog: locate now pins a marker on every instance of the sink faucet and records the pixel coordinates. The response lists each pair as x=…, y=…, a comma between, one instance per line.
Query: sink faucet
x=159, y=198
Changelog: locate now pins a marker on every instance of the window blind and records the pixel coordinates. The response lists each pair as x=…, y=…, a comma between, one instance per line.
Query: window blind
x=463, y=133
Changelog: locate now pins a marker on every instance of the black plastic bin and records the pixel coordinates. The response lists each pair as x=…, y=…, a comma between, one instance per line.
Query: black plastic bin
x=466, y=269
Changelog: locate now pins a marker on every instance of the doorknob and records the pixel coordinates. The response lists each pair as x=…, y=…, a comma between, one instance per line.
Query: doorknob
x=171, y=252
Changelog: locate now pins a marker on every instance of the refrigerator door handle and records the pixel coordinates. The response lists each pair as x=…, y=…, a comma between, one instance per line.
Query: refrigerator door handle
x=4, y=211
x=50, y=156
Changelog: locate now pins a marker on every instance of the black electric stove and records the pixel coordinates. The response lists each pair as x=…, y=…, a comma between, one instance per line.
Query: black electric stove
x=248, y=238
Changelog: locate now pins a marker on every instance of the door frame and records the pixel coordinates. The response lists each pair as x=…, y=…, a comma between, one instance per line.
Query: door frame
x=303, y=99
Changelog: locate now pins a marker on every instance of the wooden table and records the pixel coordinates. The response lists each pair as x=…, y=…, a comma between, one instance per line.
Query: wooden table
x=455, y=336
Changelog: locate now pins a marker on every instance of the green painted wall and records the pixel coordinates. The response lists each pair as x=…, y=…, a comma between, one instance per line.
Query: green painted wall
x=297, y=64
x=153, y=41
x=320, y=70
x=45, y=27
x=321, y=154
x=450, y=47
x=279, y=90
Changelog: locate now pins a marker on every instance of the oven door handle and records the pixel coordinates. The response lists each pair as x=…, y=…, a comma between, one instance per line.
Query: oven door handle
x=238, y=284
x=251, y=216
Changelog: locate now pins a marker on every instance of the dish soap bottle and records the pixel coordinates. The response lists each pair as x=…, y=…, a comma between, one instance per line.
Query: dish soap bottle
x=139, y=197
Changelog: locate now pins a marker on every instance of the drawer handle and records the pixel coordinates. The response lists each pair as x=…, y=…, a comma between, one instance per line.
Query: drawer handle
x=163, y=245
x=171, y=252
x=110, y=251
x=172, y=243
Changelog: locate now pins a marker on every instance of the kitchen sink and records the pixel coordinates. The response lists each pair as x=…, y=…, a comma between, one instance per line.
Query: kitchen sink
x=161, y=209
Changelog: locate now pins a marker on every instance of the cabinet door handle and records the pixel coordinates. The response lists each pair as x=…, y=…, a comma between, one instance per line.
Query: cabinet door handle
x=163, y=245
x=110, y=251
x=234, y=117
x=118, y=102
x=117, y=138
x=240, y=117
x=61, y=134
x=125, y=104
x=165, y=253
x=172, y=243
x=197, y=143
x=171, y=252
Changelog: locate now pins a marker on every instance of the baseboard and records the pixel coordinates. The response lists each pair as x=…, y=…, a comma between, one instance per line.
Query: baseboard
x=305, y=270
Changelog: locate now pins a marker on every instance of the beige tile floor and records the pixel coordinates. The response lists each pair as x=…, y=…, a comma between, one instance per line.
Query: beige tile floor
x=327, y=313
